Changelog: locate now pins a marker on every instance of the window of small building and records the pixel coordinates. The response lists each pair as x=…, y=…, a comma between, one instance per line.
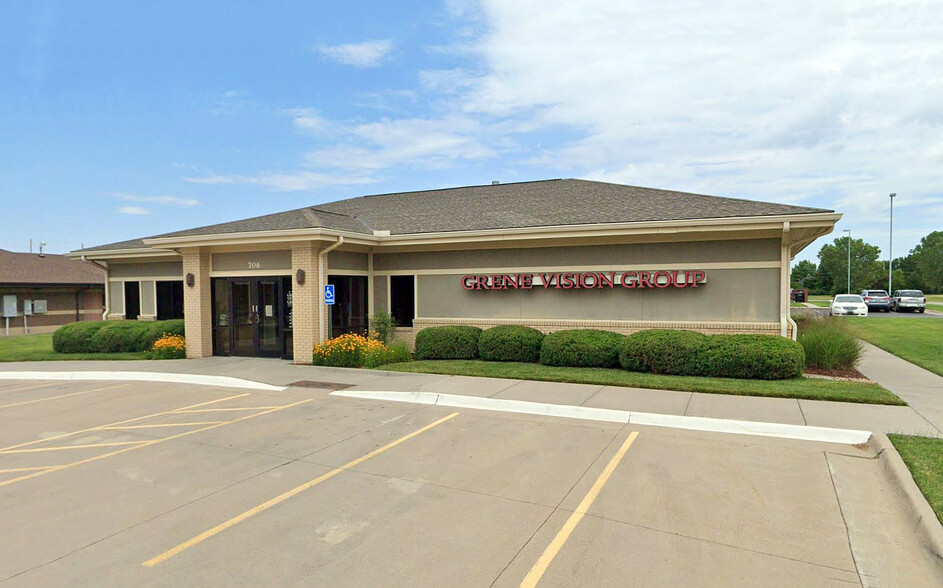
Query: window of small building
x=132, y=300
x=403, y=299
x=169, y=300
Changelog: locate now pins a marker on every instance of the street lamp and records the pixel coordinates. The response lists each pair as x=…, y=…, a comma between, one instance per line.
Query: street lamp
x=890, y=252
x=849, y=259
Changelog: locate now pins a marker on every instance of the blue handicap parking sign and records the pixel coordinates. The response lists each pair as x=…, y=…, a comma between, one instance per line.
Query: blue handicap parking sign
x=329, y=294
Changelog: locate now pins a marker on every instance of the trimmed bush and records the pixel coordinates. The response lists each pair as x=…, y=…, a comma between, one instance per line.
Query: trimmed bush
x=75, y=337
x=449, y=342
x=663, y=351
x=510, y=343
x=582, y=348
x=394, y=353
x=112, y=336
x=829, y=344
x=756, y=357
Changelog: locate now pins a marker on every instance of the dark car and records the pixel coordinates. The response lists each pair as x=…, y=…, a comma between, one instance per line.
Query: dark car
x=877, y=300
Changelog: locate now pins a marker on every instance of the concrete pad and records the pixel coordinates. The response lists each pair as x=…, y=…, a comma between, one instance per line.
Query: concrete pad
x=760, y=498
x=399, y=382
x=603, y=552
x=871, y=417
x=640, y=400
x=746, y=408
x=550, y=392
x=466, y=386
x=882, y=536
x=536, y=463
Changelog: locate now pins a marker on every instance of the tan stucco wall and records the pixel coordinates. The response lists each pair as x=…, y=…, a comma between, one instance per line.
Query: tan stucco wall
x=380, y=289
x=148, y=300
x=617, y=256
x=155, y=269
x=252, y=261
x=347, y=260
x=116, y=298
x=728, y=295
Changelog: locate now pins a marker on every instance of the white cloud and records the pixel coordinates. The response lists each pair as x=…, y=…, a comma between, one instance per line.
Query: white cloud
x=363, y=55
x=307, y=119
x=133, y=210
x=174, y=200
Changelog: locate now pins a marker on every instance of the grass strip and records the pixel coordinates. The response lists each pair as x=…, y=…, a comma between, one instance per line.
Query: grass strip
x=924, y=458
x=919, y=341
x=804, y=388
x=39, y=348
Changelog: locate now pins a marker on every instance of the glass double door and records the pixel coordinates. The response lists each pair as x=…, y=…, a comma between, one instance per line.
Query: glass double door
x=250, y=316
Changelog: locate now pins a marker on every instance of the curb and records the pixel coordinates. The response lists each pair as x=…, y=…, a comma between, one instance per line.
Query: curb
x=713, y=425
x=923, y=519
x=200, y=380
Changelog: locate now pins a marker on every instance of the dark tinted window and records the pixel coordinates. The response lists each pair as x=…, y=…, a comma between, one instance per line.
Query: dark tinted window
x=403, y=299
x=911, y=293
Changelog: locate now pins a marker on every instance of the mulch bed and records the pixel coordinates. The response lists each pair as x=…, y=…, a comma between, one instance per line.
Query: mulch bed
x=838, y=374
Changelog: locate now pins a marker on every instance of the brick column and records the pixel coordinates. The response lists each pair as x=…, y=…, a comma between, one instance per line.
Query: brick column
x=306, y=301
x=197, y=304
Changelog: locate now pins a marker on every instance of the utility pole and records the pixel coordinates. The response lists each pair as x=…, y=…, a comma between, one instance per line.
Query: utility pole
x=849, y=259
x=890, y=252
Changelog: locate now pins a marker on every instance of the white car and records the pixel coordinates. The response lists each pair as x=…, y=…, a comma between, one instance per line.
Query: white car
x=848, y=304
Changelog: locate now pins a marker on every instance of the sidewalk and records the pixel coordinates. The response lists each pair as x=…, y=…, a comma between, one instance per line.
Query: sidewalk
x=925, y=418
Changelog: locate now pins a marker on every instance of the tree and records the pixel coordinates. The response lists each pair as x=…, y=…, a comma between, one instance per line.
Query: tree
x=928, y=261
x=803, y=274
x=865, y=268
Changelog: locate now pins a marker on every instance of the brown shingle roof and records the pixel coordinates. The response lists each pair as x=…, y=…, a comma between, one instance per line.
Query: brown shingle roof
x=48, y=270
x=499, y=206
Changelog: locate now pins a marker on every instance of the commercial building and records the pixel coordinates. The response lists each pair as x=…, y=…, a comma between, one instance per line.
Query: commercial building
x=41, y=292
x=553, y=254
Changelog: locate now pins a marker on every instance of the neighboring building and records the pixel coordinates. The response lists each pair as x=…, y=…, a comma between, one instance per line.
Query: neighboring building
x=552, y=254
x=51, y=289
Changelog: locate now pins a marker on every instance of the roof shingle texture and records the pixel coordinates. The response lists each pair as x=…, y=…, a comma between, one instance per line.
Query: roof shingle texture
x=500, y=206
x=48, y=270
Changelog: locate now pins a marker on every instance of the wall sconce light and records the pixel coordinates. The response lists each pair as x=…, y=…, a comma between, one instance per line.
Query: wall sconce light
x=190, y=280
x=300, y=277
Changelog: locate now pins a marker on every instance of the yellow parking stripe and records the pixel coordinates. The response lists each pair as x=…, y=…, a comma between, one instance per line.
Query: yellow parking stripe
x=234, y=409
x=159, y=425
x=25, y=402
x=537, y=572
x=33, y=469
x=67, y=447
x=285, y=496
x=145, y=444
x=140, y=418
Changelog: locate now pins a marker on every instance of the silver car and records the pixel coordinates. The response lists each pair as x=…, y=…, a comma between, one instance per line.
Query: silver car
x=912, y=300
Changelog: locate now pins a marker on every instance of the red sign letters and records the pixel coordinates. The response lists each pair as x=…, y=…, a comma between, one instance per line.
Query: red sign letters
x=586, y=280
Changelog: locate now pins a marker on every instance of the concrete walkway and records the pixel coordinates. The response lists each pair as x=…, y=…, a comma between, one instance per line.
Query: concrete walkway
x=920, y=388
x=923, y=419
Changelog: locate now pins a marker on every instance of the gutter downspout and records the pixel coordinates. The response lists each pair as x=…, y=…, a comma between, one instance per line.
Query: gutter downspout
x=104, y=266
x=322, y=280
x=785, y=314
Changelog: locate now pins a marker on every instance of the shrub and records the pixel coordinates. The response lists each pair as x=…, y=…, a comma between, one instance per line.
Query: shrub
x=112, y=336
x=348, y=350
x=582, y=348
x=510, y=343
x=395, y=353
x=757, y=357
x=449, y=342
x=75, y=337
x=829, y=344
x=663, y=351
x=384, y=326
x=169, y=347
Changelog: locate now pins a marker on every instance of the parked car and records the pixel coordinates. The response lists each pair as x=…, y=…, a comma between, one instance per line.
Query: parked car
x=848, y=304
x=877, y=300
x=912, y=300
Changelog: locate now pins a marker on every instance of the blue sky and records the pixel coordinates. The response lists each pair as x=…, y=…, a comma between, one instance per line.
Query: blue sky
x=122, y=120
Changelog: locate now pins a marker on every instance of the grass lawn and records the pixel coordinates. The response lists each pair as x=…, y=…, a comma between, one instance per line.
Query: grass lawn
x=808, y=388
x=825, y=303
x=919, y=341
x=924, y=458
x=39, y=348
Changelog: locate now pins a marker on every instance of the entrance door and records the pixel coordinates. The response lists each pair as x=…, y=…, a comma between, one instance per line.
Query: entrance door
x=255, y=316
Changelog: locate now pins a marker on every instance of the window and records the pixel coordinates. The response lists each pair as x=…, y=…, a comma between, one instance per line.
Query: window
x=403, y=299
x=169, y=300
x=132, y=300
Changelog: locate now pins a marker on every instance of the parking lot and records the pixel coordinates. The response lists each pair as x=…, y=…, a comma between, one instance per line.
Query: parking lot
x=157, y=484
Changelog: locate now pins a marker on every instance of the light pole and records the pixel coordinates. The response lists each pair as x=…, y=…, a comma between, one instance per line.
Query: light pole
x=849, y=259
x=890, y=252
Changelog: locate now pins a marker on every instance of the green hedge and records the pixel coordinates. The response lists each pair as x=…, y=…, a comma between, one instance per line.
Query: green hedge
x=510, y=343
x=754, y=357
x=112, y=336
x=582, y=348
x=663, y=351
x=449, y=342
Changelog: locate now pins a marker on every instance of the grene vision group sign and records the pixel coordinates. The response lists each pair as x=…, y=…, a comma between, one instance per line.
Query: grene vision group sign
x=586, y=280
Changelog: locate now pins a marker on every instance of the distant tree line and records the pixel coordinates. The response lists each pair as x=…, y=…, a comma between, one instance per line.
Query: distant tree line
x=921, y=269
